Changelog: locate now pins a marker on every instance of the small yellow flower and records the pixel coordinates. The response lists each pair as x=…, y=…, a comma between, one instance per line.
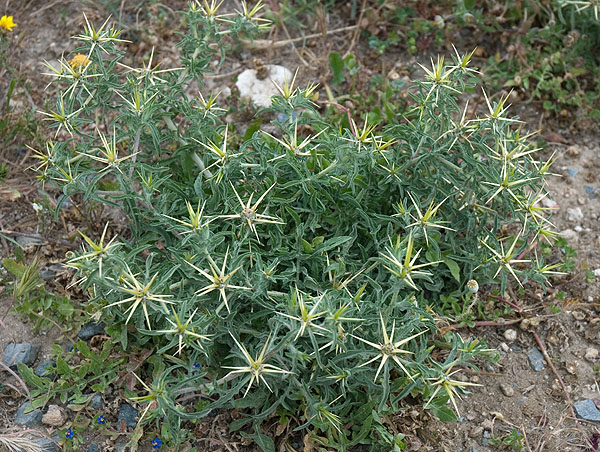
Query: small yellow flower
x=79, y=61
x=7, y=23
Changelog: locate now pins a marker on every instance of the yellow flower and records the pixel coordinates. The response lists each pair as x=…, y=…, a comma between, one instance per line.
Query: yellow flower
x=79, y=61
x=7, y=23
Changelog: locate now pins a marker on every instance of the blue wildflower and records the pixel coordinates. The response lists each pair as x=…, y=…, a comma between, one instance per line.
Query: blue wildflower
x=156, y=443
x=69, y=433
x=101, y=420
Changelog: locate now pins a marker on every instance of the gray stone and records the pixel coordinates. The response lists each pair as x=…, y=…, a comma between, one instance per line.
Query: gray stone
x=128, y=414
x=20, y=353
x=507, y=389
x=97, y=403
x=93, y=448
x=586, y=409
x=45, y=368
x=91, y=329
x=536, y=359
x=47, y=274
x=47, y=445
x=31, y=420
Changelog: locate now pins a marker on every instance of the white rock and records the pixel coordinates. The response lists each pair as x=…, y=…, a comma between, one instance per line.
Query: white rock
x=55, y=416
x=578, y=228
x=261, y=91
x=569, y=235
x=510, y=335
x=575, y=215
x=549, y=203
x=591, y=354
x=597, y=272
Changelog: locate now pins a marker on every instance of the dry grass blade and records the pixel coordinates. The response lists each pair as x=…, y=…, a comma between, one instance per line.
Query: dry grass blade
x=17, y=442
x=19, y=379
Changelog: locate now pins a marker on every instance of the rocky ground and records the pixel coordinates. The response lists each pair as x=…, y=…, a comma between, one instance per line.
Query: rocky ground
x=545, y=385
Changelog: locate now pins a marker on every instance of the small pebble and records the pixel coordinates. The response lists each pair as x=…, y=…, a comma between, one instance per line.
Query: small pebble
x=55, y=416
x=504, y=347
x=91, y=329
x=586, y=409
x=575, y=214
x=31, y=420
x=569, y=235
x=97, y=403
x=510, y=335
x=20, y=353
x=476, y=431
x=129, y=415
x=45, y=369
x=507, y=389
x=488, y=424
x=591, y=354
x=536, y=359
x=93, y=448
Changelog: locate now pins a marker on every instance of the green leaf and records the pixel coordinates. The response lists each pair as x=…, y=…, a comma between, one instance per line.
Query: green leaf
x=454, y=268
x=65, y=307
x=13, y=267
x=262, y=441
x=252, y=128
x=307, y=247
x=443, y=413
x=337, y=66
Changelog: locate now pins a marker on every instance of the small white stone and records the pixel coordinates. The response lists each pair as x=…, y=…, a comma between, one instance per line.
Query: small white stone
x=575, y=214
x=578, y=228
x=597, y=272
x=504, y=347
x=591, y=354
x=261, y=91
x=510, y=335
x=549, y=203
x=569, y=235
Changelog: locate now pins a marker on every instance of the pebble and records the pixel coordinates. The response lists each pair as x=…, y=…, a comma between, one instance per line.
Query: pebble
x=31, y=420
x=591, y=354
x=597, y=272
x=55, y=416
x=487, y=424
x=93, y=448
x=550, y=204
x=586, y=409
x=97, y=403
x=45, y=368
x=128, y=414
x=20, y=353
x=507, y=389
x=261, y=91
x=569, y=235
x=91, y=329
x=575, y=214
x=536, y=359
x=48, y=445
x=510, y=335
x=476, y=431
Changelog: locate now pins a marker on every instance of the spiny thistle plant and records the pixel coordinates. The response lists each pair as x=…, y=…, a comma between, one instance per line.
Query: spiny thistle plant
x=295, y=274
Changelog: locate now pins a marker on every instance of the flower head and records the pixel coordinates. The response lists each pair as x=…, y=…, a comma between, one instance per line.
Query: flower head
x=6, y=22
x=79, y=61
x=156, y=443
x=101, y=420
x=69, y=434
